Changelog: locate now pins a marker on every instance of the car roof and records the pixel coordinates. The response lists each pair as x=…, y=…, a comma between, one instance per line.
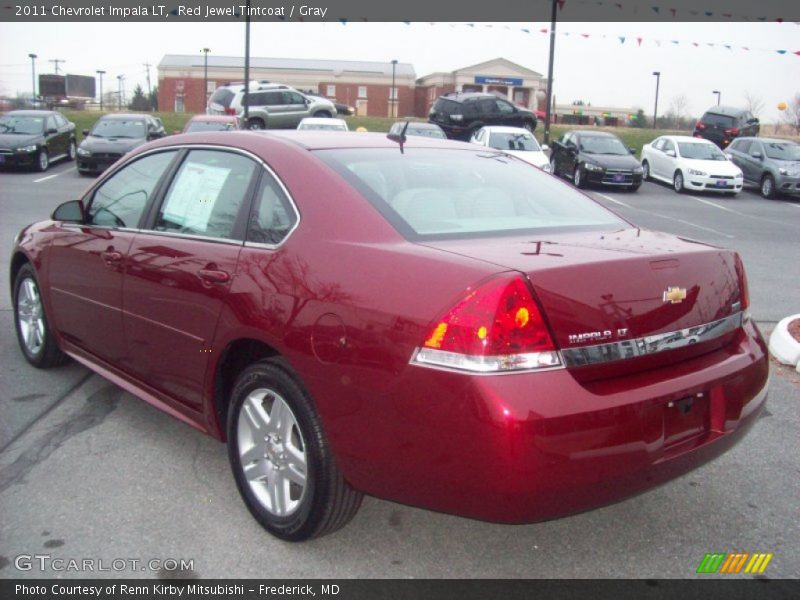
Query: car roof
x=31, y=113
x=464, y=96
x=730, y=111
x=321, y=120
x=688, y=138
x=504, y=129
x=125, y=117
x=766, y=139
x=585, y=133
x=221, y=118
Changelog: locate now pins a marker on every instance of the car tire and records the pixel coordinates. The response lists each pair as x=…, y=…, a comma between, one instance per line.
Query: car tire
x=645, y=171
x=42, y=161
x=34, y=335
x=577, y=178
x=72, y=153
x=285, y=472
x=634, y=188
x=322, y=114
x=677, y=182
x=768, y=186
x=256, y=124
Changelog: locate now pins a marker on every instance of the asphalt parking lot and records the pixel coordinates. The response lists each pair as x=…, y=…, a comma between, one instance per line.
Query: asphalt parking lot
x=88, y=471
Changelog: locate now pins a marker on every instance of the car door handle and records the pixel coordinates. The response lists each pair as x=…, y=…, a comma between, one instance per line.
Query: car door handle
x=214, y=276
x=111, y=257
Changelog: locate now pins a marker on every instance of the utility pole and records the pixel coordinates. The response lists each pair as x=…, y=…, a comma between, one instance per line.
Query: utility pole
x=101, y=73
x=655, y=108
x=393, y=95
x=245, y=97
x=550, y=72
x=205, y=75
x=33, y=58
x=149, y=90
x=55, y=61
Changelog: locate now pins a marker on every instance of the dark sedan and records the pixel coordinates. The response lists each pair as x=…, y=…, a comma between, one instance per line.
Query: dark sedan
x=595, y=157
x=436, y=323
x=113, y=136
x=35, y=138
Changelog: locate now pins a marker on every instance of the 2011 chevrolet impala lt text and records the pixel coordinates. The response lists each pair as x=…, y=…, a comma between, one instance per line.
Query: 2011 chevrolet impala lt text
x=421, y=320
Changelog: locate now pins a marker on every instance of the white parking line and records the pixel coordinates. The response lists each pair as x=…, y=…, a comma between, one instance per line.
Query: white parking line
x=719, y=206
x=614, y=200
x=793, y=204
x=54, y=175
x=727, y=235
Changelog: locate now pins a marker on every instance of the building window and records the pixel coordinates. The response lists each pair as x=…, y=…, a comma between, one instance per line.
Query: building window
x=331, y=90
x=393, y=93
x=362, y=91
x=179, y=106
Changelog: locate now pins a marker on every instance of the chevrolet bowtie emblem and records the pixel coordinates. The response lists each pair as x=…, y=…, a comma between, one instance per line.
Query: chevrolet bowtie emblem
x=674, y=295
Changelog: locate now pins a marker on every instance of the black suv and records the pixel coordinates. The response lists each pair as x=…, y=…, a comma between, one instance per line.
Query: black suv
x=461, y=114
x=723, y=124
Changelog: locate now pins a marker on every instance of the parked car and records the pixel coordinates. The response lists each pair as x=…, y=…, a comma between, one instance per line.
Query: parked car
x=342, y=109
x=723, y=124
x=508, y=375
x=461, y=114
x=418, y=129
x=112, y=136
x=323, y=124
x=595, y=157
x=35, y=138
x=514, y=141
x=771, y=164
x=212, y=123
x=690, y=164
x=270, y=105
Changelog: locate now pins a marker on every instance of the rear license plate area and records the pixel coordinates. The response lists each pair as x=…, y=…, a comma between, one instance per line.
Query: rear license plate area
x=685, y=419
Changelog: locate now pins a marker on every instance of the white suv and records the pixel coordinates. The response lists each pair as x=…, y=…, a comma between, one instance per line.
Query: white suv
x=271, y=105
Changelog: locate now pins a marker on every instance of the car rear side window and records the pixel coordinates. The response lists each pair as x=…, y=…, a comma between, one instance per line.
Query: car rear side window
x=485, y=193
x=223, y=97
x=272, y=216
x=447, y=107
x=122, y=198
x=743, y=146
x=206, y=195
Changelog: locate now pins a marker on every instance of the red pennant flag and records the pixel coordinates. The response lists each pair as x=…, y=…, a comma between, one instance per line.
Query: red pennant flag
x=797, y=53
x=561, y=4
x=695, y=44
x=586, y=35
x=673, y=11
x=544, y=30
x=639, y=40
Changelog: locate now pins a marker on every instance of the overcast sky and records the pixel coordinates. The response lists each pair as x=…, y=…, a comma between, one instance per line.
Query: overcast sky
x=596, y=69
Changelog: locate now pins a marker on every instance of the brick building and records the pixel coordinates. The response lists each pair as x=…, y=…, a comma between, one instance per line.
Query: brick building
x=364, y=85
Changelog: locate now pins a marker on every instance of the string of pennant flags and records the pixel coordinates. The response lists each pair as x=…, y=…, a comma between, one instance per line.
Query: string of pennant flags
x=621, y=39
x=643, y=9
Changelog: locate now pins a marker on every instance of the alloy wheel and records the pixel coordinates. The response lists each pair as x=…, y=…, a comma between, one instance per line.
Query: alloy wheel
x=30, y=316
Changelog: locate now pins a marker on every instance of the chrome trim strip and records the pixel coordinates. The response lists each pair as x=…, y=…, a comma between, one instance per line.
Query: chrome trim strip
x=651, y=344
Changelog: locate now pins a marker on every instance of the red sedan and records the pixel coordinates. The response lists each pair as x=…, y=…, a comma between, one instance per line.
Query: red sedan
x=432, y=323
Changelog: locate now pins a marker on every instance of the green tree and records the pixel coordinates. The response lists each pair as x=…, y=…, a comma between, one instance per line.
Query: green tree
x=154, y=98
x=639, y=120
x=139, y=101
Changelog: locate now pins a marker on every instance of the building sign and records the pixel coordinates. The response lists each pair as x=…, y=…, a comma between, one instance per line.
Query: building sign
x=497, y=80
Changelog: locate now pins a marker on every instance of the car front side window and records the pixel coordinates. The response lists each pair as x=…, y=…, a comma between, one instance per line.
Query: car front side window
x=206, y=195
x=121, y=200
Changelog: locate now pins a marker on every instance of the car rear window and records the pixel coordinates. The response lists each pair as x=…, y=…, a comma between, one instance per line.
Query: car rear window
x=446, y=107
x=223, y=97
x=439, y=193
x=715, y=119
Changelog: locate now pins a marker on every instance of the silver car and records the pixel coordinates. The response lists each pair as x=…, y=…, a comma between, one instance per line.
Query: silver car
x=771, y=164
x=271, y=105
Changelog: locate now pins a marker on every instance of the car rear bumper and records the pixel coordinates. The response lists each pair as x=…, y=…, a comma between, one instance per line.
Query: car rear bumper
x=535, y=446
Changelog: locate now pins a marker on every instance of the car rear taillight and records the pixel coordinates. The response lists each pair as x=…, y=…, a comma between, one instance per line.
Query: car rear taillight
x=699, y=125
x=230, y=111
x=732, y=131
x=496, y=328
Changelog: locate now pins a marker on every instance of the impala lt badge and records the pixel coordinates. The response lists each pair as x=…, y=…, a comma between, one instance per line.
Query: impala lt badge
x=674, y=295
x=596, y=335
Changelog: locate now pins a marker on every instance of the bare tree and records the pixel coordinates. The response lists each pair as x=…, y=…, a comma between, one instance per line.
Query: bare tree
x=791, y=116
x=677, y=113
x=753, y=103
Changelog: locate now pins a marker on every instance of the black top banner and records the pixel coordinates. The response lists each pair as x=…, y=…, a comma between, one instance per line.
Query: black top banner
x=345, y=11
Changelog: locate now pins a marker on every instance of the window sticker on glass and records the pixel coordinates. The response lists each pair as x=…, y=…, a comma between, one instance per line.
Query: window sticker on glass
x=193, y=196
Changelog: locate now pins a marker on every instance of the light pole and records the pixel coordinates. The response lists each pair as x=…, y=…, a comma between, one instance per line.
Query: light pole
x=119, y=90
x=655, y=108
x=101, y=73
x=245, y=98
x=205, y=51
x=393, y=94
x=719, y=95
x=33, y=58
x=547, y=108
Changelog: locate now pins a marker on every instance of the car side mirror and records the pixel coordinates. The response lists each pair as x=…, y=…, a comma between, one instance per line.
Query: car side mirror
x=757, y=155
x=51, y=131
x=545, y=147
x=85, y=132
x=670, y=153
x=69, y=212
